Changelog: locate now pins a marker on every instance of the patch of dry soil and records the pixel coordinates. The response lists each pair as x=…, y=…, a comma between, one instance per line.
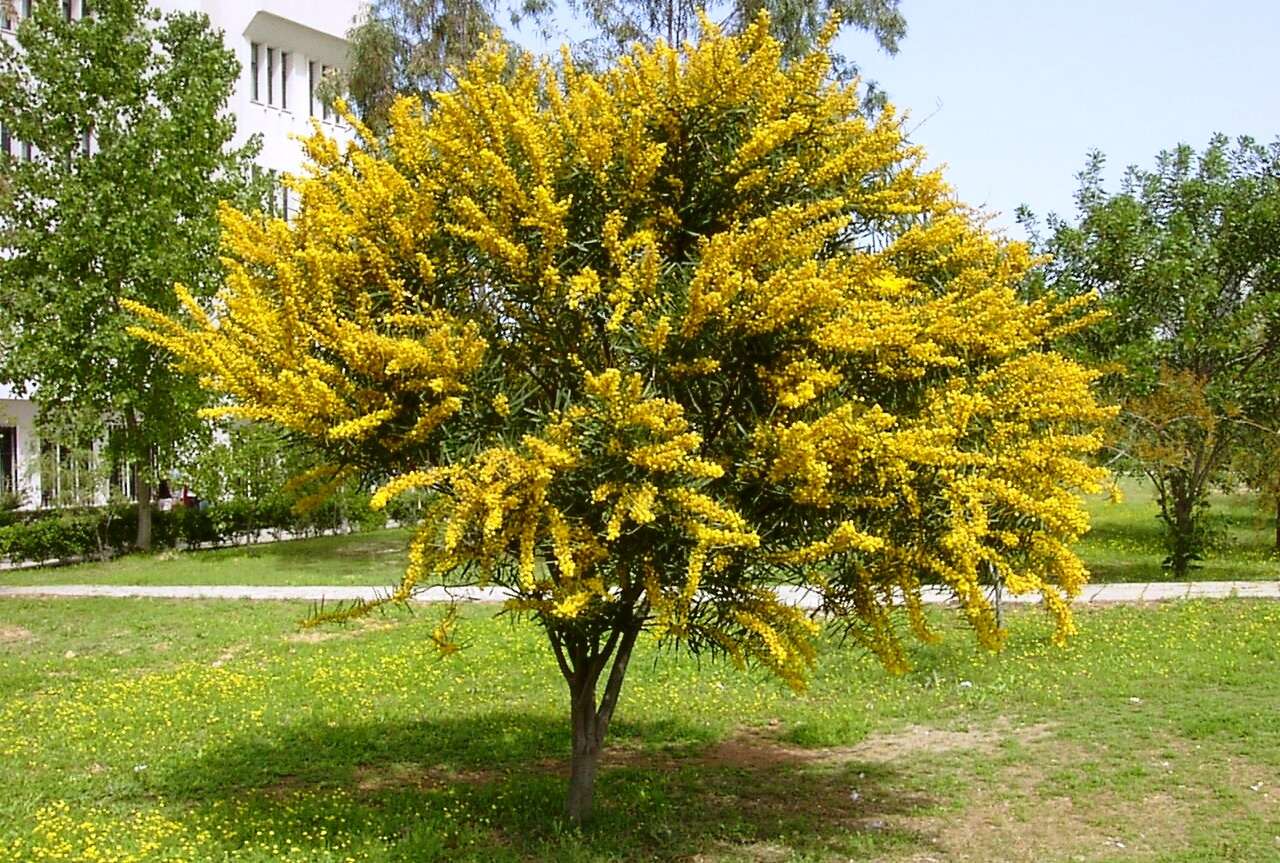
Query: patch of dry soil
x=13, y=634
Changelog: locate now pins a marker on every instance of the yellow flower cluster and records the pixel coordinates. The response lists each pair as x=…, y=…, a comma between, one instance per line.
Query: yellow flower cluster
x=749, y=336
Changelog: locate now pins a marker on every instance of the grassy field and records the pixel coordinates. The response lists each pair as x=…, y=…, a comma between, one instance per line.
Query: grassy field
x=1126, y=542
x=1124, y=545
x=152, y=730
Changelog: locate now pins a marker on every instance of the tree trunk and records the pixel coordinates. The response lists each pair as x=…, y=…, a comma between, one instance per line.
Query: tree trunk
x=591, y=722
x=1184, y=533
x=143, y=489
x=587, y=743
x=144, y=512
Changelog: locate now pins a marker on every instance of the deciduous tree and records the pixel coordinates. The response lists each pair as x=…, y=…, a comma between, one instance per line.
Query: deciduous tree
x=120, y=154
x=1185, y=259
x=657, y=340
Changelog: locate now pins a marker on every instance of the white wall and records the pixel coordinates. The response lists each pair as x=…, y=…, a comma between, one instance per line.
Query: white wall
x=309, y=31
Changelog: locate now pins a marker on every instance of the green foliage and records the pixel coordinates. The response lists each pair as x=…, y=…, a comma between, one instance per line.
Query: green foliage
x=1127, y=540
x=132, y=153
x=413, y=46
x=1186, y=261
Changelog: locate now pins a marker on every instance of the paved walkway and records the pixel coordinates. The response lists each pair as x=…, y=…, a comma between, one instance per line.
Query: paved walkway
x=1098, y=593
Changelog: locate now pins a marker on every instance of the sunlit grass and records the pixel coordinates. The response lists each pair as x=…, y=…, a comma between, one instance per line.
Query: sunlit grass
x=1126, y=542
x=148, y=730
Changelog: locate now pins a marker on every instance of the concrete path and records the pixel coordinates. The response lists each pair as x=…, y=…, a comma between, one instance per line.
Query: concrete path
x=1099, y=593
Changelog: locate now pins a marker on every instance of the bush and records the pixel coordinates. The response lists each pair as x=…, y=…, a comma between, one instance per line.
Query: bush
x=83, y=532
x=50, y=538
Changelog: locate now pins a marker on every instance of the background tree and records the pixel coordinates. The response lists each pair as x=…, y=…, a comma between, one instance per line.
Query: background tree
x=1186, y=260
x=656, y=340
x=410, y=47
x=400, y=47
x=123, y=117
x=1256, y=464
x=796, y=25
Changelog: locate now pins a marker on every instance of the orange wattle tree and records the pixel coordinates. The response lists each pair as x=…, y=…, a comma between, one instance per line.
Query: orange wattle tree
x=656, y=340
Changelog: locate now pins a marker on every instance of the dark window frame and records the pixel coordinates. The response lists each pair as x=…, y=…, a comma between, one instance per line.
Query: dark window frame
x=285, y=58
x=271, y=75
x=255, y=87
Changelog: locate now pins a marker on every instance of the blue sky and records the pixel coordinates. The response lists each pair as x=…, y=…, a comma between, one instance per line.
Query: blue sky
x=1011, y=94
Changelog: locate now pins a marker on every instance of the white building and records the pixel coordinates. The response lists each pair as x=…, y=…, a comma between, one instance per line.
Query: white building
x=284, y=48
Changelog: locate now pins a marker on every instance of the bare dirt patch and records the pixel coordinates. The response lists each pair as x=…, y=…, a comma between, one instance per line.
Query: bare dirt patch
x=371, y=778
x=310, y=636
x=14, y=634
x=357, y=627
x=1028, y=829
x=922, y=740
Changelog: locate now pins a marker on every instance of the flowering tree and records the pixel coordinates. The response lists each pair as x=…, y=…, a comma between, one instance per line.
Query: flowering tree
x=657, y=340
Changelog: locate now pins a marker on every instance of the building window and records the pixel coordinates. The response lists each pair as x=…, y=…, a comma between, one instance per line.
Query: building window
x=66, y=474
x=325, y=111
x=86, y=143
x=284, y=201
x=66, y=9
x=8, y=459
x=7, y=19
x=271, y=76
x=254, y=48
x=285, y=57
x=311, y=88
x=26, y=151
x=6, y=139
x=26, y=9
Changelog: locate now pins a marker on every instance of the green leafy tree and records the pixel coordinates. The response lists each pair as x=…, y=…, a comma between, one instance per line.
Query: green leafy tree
x=121, y=154
x=1256, y=465
x=403, y=47
x=1186, y=260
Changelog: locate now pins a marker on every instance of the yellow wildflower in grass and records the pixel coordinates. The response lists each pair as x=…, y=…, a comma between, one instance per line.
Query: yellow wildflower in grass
x=752, y=340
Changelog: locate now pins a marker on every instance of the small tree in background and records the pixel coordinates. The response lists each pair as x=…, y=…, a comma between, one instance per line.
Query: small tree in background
x=656, y=340
x=120, y=155
x=1186, y=262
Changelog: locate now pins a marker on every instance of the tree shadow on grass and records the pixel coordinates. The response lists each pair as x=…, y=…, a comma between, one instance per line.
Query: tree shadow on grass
x=492, y=786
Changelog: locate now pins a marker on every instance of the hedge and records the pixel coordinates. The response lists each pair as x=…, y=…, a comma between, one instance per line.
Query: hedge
x=84, y=532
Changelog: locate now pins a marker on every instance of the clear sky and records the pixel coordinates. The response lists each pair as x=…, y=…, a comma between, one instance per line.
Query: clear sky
x=1012, y=95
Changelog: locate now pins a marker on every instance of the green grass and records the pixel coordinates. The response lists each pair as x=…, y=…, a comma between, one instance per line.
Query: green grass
x=153, y=730
x=1126, y=542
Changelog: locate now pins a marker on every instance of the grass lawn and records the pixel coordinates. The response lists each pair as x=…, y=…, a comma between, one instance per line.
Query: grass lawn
x=154, y=730
x=1127, y=539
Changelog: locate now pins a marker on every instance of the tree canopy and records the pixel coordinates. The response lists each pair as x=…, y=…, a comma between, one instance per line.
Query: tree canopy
x=120, y=154
x=1184, y=258
x=656, y=340
x=412, y=47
